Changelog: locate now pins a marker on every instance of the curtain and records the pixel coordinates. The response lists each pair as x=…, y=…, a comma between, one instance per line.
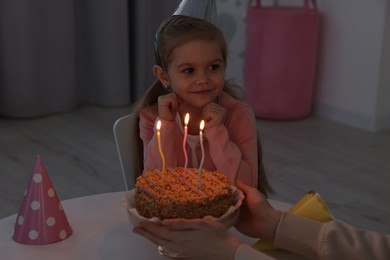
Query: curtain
x=56, y=55
x=146, y=17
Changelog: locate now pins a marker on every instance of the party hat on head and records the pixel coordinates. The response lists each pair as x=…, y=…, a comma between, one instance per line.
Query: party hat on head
x=202, y=9
x=41, y=219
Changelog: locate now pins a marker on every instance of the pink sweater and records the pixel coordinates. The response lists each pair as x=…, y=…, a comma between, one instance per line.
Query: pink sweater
x=317, y=240
x=230, y=148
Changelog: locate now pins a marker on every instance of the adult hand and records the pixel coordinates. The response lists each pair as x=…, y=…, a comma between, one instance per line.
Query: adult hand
x=168, y=105
x=194, y=238
x=257, y=217
x=214, y=114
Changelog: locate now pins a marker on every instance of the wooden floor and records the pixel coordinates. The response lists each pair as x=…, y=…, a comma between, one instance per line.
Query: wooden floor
x=350, y=168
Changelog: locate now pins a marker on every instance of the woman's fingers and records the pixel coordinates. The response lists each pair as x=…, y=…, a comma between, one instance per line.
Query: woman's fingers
x=156, y=232
x=185, y=224
x=152, y=236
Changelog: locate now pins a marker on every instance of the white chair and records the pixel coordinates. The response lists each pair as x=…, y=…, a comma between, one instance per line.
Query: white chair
x=123, y=133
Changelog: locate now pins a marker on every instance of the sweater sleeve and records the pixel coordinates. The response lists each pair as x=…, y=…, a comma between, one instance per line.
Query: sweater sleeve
x=330, y=240
x=233, y=146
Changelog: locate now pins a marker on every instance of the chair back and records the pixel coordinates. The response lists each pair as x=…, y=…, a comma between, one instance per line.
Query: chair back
x=123, y=133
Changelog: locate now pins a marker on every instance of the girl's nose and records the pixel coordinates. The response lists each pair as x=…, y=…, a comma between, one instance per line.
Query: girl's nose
x=202, y=78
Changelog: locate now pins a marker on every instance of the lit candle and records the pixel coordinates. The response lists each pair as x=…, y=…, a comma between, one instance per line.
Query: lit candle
x=186, y=119
x=158, y=126
x=201, y=161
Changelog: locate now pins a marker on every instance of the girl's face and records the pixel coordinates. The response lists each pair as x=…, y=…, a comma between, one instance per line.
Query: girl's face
x=196, y=72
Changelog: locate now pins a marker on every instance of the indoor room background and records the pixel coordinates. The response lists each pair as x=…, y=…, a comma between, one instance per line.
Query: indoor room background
x=69, y=69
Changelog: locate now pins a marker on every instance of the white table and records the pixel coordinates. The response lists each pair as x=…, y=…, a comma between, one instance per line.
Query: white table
x=101, y=230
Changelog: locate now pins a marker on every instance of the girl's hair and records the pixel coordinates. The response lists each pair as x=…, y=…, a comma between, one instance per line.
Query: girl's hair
x=174, y=32
x=178, y=30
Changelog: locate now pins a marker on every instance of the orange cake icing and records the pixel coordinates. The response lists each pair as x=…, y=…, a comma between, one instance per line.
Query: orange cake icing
x=179, y=196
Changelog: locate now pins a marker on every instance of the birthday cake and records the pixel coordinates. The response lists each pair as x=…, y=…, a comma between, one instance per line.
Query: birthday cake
x=176, y=194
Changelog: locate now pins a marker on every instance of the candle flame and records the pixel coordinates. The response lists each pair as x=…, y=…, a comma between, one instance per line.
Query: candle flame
x=158, y=126
x=201, y=125
x=186, y=119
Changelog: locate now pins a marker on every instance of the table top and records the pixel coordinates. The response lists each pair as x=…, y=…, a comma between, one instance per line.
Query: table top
x=101, y=230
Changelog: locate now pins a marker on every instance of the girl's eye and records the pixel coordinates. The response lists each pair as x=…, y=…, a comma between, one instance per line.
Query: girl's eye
x=188, y=70
x=215, y=66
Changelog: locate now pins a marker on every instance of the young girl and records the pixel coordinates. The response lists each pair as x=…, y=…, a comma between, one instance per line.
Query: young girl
x=191, y=56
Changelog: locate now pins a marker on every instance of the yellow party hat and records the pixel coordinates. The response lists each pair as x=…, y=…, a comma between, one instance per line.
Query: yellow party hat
x=312, y=206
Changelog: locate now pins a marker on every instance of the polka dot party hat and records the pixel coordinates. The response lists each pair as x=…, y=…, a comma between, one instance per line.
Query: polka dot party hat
x=41, y=219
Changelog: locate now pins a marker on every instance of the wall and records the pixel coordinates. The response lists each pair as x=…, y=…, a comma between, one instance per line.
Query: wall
x=348, y=85
x=231, y=19
x=383, y=104
x=352, y=85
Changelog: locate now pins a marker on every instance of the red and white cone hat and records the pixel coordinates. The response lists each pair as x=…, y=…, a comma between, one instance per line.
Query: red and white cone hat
x=41, y=219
